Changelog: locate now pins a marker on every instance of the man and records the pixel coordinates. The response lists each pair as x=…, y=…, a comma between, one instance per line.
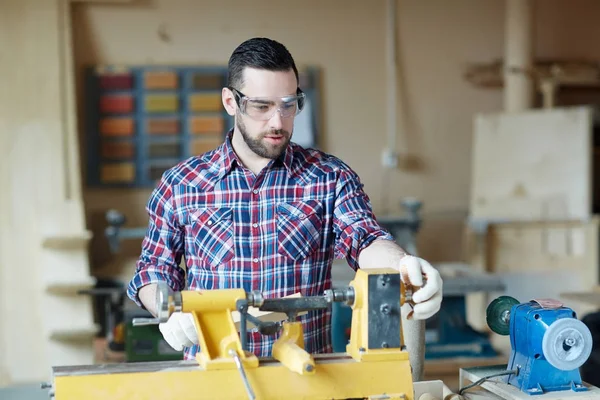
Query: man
x=262, y=213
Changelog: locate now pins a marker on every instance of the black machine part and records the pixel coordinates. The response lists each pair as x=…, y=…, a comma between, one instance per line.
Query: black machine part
x=498, y=314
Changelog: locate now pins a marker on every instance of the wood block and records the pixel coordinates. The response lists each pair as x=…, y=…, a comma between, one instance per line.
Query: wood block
x=200, y=146
x=162, y=126
x=524, y=165
x=161, y=103
x=535, y=260
x=120, y=81
x=204, y=125
x=160, y=80
x=117, y=150
x=116, y=104
x=171, y=150
x=207, y=81
x=117, y=173
x=116, y=127
x=205, y=102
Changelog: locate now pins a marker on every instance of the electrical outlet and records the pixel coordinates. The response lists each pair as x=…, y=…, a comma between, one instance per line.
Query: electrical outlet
x=389, y=158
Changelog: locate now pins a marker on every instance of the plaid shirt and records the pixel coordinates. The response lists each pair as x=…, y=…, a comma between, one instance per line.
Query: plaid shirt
x=276, y=232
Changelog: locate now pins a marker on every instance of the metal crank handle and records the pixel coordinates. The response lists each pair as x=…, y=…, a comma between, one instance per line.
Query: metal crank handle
x=240, y=367
x=145, y=321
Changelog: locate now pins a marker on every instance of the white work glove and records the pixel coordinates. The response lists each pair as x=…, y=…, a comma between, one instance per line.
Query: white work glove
x=179, y=330
x=428, y=298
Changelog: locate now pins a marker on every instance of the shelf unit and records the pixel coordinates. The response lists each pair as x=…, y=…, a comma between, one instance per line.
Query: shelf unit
x=142, y=120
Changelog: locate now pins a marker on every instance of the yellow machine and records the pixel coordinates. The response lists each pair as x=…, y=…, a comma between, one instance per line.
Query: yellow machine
x=375, y=365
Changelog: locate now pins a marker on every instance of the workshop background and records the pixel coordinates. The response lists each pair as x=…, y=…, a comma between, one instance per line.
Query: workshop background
x=448, y=79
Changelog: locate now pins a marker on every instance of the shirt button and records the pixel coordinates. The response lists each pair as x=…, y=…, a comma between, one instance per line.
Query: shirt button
x=209, y=222
x=302, y=216
x=255, y=225
x=255, y=191
x=255, y=260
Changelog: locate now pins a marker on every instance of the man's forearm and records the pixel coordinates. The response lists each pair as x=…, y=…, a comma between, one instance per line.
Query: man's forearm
x=147, y=295
x=381, y=253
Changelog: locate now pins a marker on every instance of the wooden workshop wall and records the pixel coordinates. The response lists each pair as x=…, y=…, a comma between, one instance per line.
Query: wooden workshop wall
x=43, y=242
x=436, y=39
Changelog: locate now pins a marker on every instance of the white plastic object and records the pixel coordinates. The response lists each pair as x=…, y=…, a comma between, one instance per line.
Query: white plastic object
x=567, y=344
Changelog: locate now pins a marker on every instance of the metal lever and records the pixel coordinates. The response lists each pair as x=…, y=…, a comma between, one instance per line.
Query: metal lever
x=240, y=367
x=145, y=321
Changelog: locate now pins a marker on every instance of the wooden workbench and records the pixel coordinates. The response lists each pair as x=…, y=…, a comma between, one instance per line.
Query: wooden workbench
x=496, y=388
x=448, y=370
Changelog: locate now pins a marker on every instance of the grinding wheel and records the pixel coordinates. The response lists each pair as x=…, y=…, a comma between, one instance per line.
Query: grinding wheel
x=567, y=344
x=498, y=314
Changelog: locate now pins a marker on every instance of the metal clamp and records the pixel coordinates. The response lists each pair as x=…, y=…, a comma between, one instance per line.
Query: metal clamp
x=167, y=302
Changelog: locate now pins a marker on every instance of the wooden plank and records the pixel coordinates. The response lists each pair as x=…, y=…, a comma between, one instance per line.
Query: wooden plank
x=535, y=260
x=161, y=80
x=496, y=388
x=162, y=126
x=205, y=102
x=161, y=103
x=447, y=370
x=525, y=164
x=207, y=125
x=117, y=127
x=117, y=172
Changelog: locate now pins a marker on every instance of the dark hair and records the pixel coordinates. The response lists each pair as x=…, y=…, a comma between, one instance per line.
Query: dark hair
x=259, y=53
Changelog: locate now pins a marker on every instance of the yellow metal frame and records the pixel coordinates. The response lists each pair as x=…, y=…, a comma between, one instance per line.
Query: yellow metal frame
x=292, y=374
x=358, y=347
x=217, y=333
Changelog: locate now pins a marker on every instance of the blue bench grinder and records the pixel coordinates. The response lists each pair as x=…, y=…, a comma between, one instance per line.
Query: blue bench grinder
x=548, y=344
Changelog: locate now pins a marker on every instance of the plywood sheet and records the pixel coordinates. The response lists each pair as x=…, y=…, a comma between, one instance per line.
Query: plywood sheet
x=535, y=260
x=534, y=165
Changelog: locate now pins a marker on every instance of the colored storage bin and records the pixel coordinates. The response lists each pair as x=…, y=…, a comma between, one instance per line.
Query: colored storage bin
x=164, y=150
x=117, y=173
x=162, y=126
x=203, y=81
x=200, y=146
x=160, y=103
x=161, y=80
x=116, y=127
x=207, y=125
x=121, y=104
x=119, y=81
x=205, y=102
x=117, y=150
x=155, y=172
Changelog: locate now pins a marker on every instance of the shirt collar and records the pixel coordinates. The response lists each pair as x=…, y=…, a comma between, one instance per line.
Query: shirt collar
x=229, y=158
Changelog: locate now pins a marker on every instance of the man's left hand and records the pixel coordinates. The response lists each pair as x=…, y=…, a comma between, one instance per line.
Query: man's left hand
x=428, y=297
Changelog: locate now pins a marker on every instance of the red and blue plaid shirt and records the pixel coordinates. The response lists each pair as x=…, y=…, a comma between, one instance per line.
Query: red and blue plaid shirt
x=277, y=232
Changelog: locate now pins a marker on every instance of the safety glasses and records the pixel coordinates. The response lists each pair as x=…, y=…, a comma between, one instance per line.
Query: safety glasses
x=264, y=108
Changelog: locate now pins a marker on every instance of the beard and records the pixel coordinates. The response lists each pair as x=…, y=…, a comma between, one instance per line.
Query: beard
x=258, y=144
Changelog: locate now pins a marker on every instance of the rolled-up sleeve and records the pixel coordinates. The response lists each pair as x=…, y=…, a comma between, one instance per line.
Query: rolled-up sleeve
x=354, y=222
x=162, y=247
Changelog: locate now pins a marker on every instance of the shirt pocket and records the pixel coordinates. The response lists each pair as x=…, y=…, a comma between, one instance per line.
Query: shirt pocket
x=299, y=226
x=212, y=231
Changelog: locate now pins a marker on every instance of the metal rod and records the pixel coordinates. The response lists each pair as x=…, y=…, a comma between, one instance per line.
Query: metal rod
x=145, y=321
x=243, y=328
x=297, y=304
x=240, y=368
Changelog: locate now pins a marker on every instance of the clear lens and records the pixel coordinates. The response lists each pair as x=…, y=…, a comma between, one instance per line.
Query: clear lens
x=263, y=108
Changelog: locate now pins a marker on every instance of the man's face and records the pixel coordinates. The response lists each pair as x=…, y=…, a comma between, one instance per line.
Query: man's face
x=268, y=138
